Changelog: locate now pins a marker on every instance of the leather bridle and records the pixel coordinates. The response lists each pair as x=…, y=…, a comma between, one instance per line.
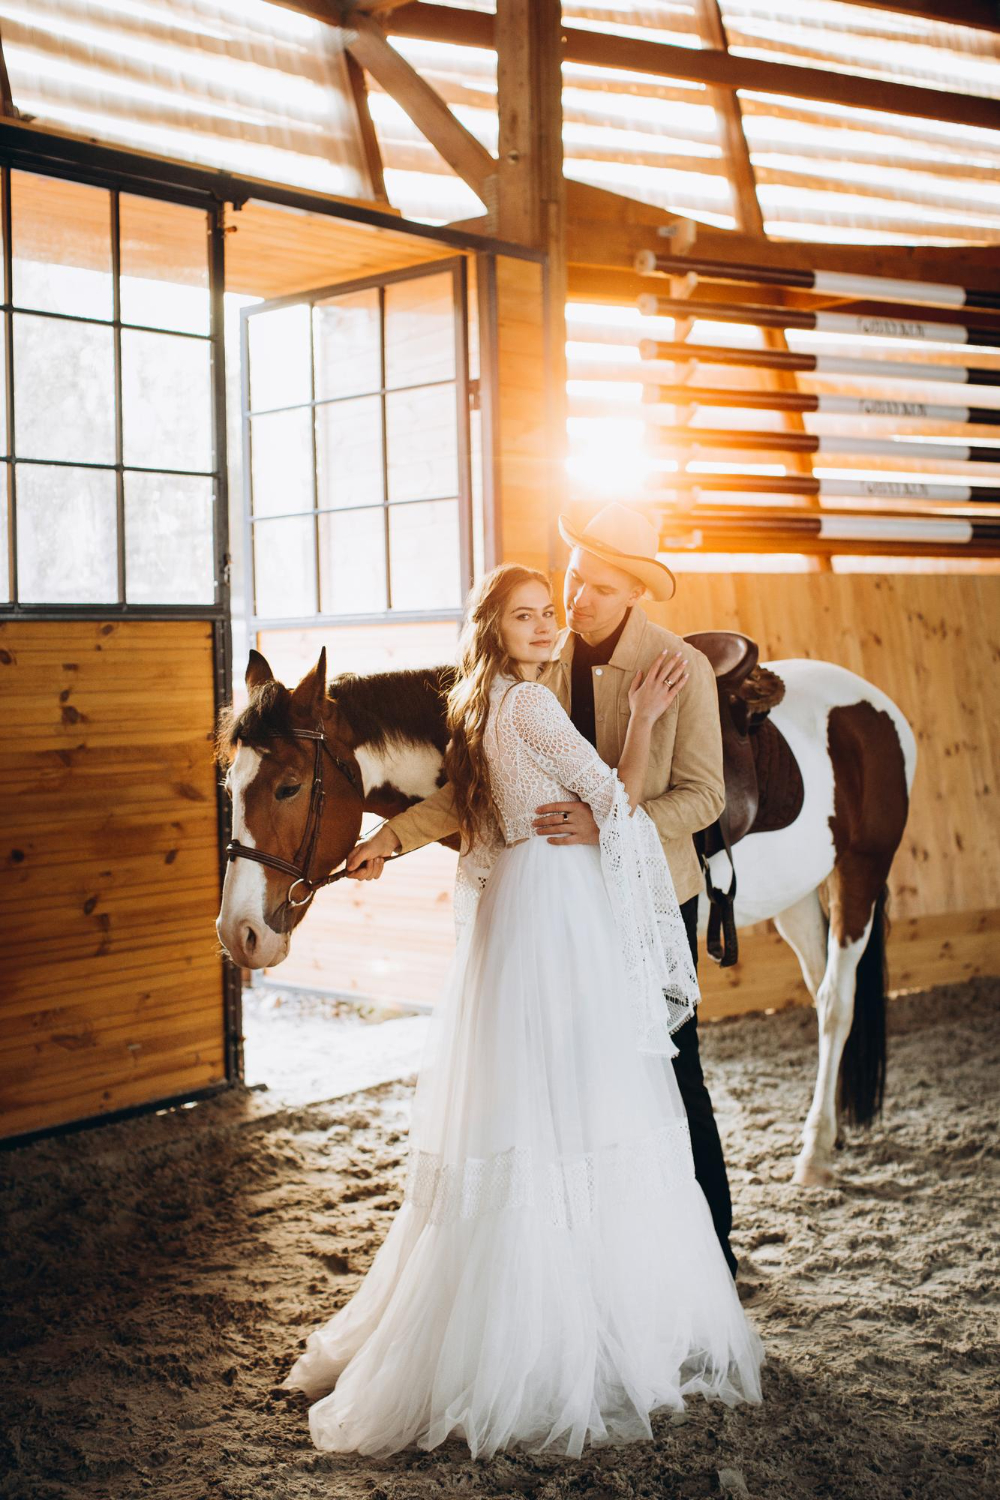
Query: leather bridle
x=300, y=867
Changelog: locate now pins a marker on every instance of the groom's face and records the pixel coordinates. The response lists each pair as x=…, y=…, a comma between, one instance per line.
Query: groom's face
x=596, y=595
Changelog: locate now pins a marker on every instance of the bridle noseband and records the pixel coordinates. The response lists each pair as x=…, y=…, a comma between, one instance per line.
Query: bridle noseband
x=300, y=867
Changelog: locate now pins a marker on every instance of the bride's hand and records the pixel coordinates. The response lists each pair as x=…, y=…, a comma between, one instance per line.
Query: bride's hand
x=652, y=695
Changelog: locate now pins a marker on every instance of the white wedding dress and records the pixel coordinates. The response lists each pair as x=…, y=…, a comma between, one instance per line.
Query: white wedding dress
x=553, y=1275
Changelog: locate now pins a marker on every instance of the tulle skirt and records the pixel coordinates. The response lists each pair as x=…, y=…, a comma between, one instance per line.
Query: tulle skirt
x=553, y=1276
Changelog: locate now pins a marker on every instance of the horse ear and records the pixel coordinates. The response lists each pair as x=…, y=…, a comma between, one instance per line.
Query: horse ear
x=310, y=695
x=258, y=671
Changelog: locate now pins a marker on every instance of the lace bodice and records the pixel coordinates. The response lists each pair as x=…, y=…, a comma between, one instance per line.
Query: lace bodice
x=536, y=755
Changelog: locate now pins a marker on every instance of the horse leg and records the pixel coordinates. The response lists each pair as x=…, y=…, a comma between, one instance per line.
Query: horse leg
x=834, y=1013
x=804, y=928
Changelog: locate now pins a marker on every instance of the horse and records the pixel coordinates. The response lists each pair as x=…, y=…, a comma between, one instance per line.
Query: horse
x=303, y=765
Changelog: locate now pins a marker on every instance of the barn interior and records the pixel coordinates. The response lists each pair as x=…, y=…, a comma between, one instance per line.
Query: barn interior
x=313, y=312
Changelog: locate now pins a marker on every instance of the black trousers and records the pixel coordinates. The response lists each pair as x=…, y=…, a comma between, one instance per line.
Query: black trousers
x=709, y=1165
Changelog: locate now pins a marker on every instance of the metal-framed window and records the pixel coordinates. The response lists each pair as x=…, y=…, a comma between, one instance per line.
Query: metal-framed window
x=113, y=409
x=357, y=469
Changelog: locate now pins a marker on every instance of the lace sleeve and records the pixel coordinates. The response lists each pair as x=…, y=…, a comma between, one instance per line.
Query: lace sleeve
x=554, y=743
x=663, y=985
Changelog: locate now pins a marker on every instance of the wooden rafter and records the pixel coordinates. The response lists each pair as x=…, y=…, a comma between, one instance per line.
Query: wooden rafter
x=367, y=44
x=984, y=15
x=7, y=106
x=710, y=66
x=366, y=128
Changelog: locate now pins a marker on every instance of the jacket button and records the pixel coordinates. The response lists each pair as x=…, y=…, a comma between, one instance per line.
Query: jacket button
x=597, y=671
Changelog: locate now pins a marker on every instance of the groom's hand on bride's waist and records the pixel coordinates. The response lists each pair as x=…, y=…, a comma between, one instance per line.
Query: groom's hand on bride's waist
x=566, y=823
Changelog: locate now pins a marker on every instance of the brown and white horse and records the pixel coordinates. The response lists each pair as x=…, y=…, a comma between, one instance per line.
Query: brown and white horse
x=297, y=813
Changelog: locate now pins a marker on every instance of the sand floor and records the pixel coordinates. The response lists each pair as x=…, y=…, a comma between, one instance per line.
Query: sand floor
x=159, y=1275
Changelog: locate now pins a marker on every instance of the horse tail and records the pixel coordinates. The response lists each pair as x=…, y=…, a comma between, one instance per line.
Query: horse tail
x=862, y=1067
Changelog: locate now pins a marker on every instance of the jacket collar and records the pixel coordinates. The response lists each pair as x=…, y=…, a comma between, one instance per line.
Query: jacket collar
x=626, y=653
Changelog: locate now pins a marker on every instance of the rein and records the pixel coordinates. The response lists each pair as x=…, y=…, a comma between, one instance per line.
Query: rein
x=299, y=868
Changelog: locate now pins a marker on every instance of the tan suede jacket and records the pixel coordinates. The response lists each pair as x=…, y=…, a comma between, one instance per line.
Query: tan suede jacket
x=684, y=787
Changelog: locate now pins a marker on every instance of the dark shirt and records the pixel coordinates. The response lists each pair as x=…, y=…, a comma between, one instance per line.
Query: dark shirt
x=585, y=657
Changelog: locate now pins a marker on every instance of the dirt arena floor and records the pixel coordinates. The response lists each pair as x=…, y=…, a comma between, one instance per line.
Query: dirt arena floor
x=159, y=1275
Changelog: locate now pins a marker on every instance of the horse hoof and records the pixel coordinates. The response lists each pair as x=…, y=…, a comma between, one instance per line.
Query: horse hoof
x=811, y=1173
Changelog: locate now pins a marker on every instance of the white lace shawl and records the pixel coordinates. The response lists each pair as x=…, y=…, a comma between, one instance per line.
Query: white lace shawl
x=536, y=754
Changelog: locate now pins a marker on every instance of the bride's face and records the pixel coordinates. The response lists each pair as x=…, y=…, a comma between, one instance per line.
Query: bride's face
x=528, y=624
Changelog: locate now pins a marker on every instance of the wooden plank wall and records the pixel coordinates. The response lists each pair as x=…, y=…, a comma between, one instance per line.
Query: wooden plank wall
x=932, y=642
x=113, y=985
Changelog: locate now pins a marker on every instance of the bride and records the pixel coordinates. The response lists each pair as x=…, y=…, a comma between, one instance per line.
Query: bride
x=553, y=1275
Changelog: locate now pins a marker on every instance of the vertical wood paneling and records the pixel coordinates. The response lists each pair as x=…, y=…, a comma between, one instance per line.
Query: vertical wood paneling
x=113, y=992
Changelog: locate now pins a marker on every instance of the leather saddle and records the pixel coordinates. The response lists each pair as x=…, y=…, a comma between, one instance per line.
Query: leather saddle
x=763, y=781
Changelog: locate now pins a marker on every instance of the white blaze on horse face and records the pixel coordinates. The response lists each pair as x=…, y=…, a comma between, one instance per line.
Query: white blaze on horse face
x=411, y=768
x=244, y=892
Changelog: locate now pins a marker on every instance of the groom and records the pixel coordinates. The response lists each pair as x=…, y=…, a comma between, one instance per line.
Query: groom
x=611, y=566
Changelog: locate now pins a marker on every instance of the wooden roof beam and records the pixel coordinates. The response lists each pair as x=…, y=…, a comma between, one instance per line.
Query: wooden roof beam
x=711, y=66
x=980, y=14
x=466, y=156
x=366, y=128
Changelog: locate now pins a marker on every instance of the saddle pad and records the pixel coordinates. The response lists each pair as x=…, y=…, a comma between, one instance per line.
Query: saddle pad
x=779, y=780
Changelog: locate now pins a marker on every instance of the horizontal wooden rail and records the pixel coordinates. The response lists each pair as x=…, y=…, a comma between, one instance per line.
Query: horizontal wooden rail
x=819, y=364
x=844, y=489
x=831, y=283
x=916, y=330
x=716, y=530
x=825, y=406
x=808, y=442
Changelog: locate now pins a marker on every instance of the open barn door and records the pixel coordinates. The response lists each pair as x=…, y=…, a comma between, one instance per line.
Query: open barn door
x=114, y=644
x=366, y=512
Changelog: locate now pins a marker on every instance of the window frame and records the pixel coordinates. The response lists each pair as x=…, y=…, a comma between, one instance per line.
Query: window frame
x=457, y=267
x=116, y=184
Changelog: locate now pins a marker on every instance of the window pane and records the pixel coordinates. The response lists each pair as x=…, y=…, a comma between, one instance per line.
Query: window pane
x=64, y=390
x=282, y=462
x=61, y=246
x=420, y=330
x=4, y=519
x=349, y=452
x=284, y=570
x=164, y=264
x=166, y=401
x=168, y=539
x=279, y=357
x=424, y=556
x=66, y=537
x=346, y=338
x=421, y=435
x=352, y=562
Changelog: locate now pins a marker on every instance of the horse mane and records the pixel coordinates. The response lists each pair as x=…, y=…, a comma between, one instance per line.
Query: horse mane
x=403, y=705
x=385, y=706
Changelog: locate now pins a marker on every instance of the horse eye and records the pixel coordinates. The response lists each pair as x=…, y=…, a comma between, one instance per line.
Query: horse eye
x=284, y=792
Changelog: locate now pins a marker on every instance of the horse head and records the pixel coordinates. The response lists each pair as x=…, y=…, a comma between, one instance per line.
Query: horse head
x=297, y=797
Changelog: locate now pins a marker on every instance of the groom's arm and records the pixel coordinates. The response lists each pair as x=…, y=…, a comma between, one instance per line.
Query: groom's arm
x=695, y=794
x=425, y=822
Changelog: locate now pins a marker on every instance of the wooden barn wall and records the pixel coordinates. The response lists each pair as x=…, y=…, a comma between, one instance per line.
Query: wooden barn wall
x=113, y=984
x=932, y=642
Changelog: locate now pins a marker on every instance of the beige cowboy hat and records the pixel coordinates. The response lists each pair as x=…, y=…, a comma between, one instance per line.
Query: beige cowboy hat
x=627, y=540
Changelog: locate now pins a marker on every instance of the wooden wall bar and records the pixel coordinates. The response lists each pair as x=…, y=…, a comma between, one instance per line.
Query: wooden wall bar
x=113, y=991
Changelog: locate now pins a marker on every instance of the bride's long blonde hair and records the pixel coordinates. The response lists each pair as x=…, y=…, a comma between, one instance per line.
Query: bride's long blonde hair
x=481, y=659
